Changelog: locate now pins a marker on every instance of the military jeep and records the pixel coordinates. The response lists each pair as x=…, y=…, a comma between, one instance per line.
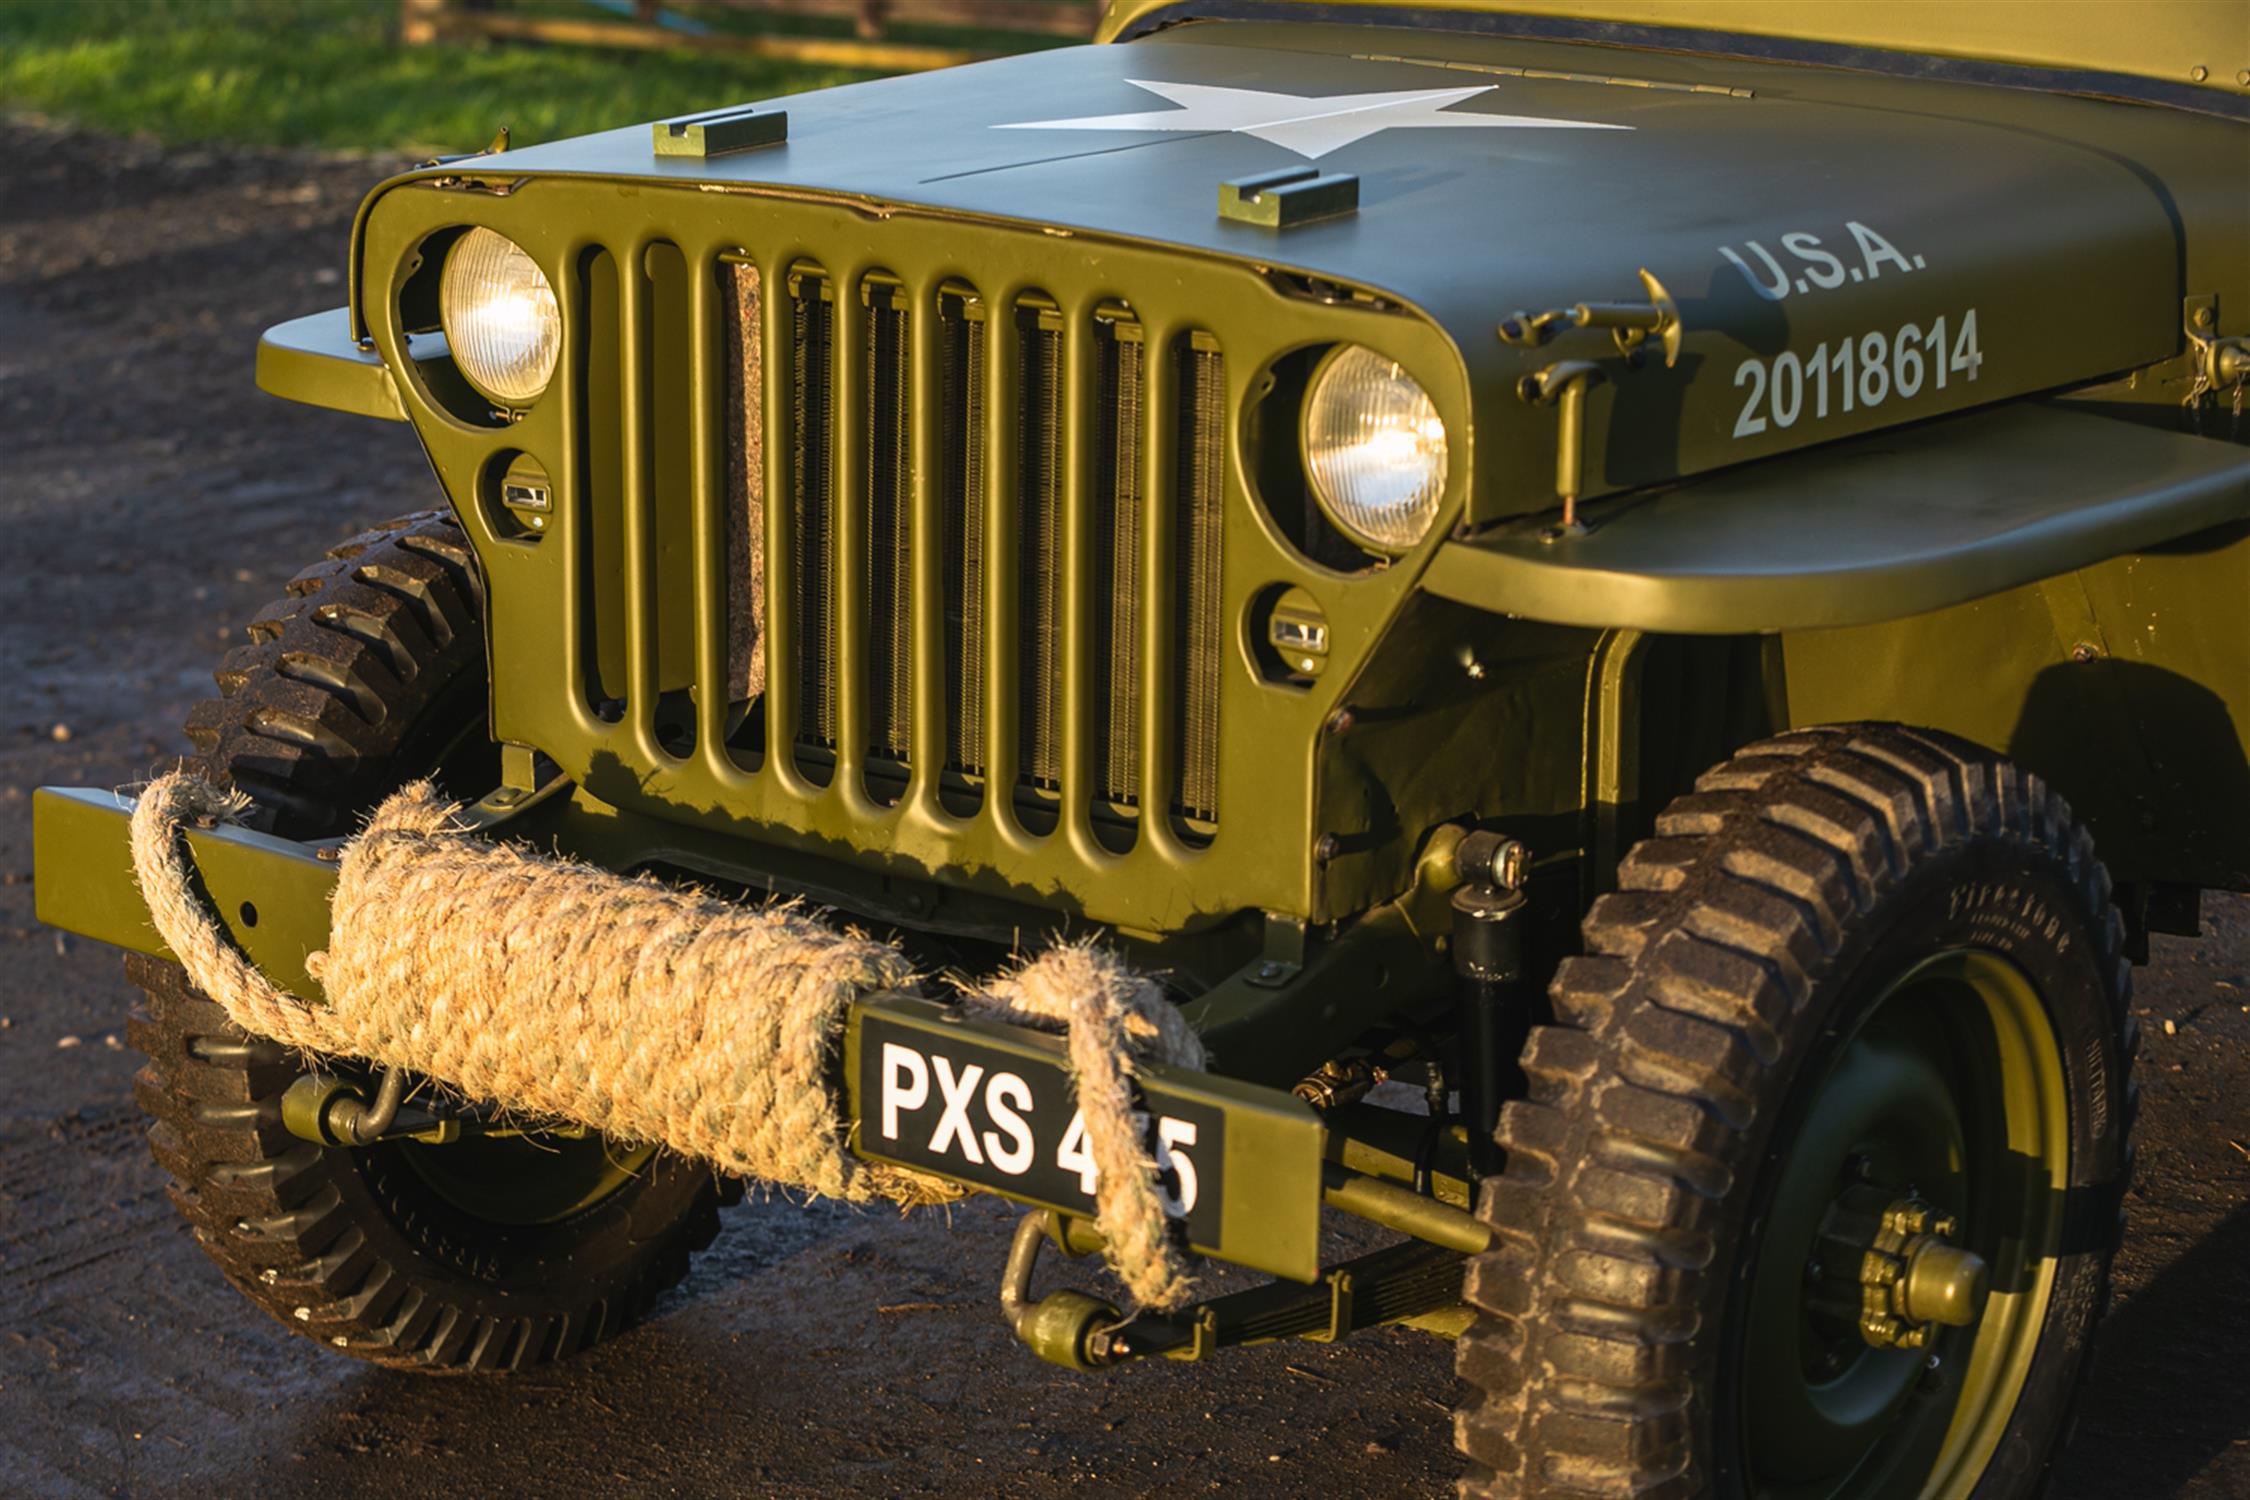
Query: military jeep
x=1639, y=605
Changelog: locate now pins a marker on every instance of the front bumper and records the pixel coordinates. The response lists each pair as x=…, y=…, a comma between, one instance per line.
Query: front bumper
x=273, y=897
x=271, y=893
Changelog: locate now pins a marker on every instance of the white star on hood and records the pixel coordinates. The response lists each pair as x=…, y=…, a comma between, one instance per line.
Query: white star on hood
x=1310, y=125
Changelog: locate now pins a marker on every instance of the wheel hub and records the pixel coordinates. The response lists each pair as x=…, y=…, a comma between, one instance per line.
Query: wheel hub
x=1913, y=1278
x=1888, y=1269
x=1915, y=1215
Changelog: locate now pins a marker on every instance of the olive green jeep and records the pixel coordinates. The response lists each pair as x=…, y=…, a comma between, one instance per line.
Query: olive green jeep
x=1640, y=605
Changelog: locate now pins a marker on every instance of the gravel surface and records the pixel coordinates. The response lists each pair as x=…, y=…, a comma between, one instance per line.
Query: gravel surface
x=150, y=501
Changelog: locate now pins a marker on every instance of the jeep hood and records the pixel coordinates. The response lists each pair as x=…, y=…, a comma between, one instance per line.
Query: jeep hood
x=1792, y=212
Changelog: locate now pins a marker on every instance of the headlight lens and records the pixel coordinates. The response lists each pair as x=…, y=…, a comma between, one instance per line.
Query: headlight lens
x=1375, y=448
x=500, y=315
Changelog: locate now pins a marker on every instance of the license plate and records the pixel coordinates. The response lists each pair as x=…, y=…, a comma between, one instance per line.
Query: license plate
x=994, y=1106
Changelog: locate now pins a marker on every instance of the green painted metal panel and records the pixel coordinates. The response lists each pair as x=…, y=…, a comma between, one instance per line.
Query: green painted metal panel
x=630, y=474
x=1796, y=216
x=314, y=359
x=1876, y=528
x=1827, y=236
x=2125, y=684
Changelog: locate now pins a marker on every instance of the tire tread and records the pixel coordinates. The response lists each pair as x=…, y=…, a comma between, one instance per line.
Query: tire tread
x=1646, y=1084
x=310, y=712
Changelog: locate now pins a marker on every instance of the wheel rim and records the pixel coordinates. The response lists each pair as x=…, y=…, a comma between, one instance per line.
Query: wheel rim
x=1949, y=1092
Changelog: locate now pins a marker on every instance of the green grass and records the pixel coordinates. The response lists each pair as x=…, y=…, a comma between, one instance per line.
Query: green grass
x=329, y=73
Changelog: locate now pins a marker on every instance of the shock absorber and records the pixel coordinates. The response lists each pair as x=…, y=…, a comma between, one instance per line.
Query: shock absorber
x=1491, y=1009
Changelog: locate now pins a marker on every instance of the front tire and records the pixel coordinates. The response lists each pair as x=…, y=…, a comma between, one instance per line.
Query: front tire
x=1859, y=974
x=484, y=1254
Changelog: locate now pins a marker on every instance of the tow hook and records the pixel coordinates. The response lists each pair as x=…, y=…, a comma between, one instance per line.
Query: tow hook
x=1066, y=1328
x=1080, y=1332
x=326, y=1109
x=332, y=1111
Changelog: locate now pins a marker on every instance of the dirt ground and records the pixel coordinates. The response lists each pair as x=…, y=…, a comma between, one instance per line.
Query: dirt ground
x=150, y=501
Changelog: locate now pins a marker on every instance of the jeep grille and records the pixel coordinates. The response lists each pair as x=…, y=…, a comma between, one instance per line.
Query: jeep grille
x=820, y=615
x=1032, y=654
x=911, y=560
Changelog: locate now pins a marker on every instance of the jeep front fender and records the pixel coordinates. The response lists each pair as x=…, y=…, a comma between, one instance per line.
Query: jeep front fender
x=316, y=360
x=1877, y=528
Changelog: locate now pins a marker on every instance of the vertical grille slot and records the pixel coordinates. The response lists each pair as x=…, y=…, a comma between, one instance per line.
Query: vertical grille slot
x=1201, y=491
x=889, y=500
x=658, y=511
x=813, y=505
x=1116, y=527
x=1039, y=473
x=962, y=318
x=743, y=359
x=601, y=506
x=637, y=651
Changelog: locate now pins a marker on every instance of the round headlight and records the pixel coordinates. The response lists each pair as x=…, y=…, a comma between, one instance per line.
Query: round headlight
x=501, y=319
x=1374, y=448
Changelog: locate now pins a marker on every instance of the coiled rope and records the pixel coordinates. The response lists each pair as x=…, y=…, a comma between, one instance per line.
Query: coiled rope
x=560, y=991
